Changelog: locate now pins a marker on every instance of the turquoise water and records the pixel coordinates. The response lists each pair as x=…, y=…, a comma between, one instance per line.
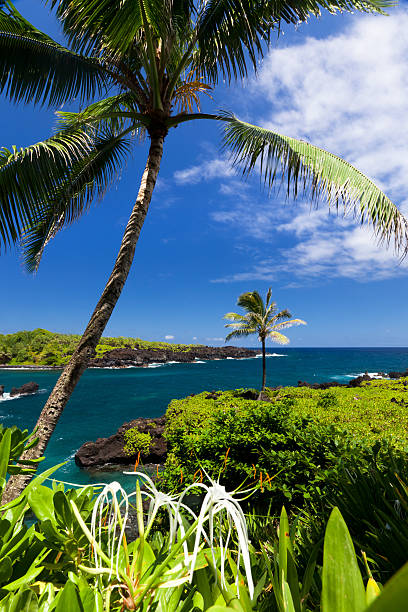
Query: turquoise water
x=105, y=399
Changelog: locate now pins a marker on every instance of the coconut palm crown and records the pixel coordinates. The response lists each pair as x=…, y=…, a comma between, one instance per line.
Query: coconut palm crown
x=137, y=69
x=261, y=318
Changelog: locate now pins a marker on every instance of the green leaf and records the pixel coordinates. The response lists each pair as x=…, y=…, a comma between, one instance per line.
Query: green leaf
x=287, y=598
x=40, y=499
x=69, y=600
x=342, y=585
x=6, y=569
x=284, y=543
x=62, y=509
x=5, y=446
x=394, y=596
x=55, y=74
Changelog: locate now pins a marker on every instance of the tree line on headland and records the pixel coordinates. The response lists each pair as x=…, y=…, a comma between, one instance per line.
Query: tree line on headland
x=42, y=347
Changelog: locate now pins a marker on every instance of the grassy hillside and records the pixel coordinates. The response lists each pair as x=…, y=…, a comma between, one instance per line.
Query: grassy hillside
x=42, y=347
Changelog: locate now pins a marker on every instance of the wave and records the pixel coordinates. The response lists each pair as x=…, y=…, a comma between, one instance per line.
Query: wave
x=199, y=361
x=155, y=365
x=270, y=355
x=370, y=374
x=6, y=396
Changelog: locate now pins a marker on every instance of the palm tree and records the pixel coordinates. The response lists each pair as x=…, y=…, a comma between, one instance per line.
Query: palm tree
x=155, y=58
x=262, y=319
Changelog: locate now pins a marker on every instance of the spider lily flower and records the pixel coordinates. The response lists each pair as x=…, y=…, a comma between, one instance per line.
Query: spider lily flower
x=158, y=500
x=219, y=504
x=106, y=515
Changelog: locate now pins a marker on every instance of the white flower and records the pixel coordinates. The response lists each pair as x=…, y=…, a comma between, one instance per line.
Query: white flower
x=218, y=503
x=111, y=508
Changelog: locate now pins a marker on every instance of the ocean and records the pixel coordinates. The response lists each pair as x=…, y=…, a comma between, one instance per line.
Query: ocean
x=105, y=399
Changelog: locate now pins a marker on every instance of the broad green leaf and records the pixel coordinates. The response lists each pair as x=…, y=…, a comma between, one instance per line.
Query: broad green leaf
x=23, y=601
x=6, y=569
x=62, y=509
x=40, y=499
x=5, y=446
x=69, y=600
x=287, y=598
x=284, y=543
x=394, y=596
x=342, y=588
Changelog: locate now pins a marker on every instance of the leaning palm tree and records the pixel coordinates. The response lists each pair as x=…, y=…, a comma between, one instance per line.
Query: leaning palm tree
x=154, y=58
x=262, y=319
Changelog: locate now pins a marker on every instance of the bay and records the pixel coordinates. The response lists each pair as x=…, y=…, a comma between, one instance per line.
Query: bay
x=105, y=399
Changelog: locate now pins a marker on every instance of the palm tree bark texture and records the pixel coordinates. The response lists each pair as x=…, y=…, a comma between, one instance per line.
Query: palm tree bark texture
x=85, y=350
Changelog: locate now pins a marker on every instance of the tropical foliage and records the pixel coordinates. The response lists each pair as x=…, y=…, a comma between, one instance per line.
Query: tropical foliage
x=261, y=318
x=80, y=554
x=295, y=453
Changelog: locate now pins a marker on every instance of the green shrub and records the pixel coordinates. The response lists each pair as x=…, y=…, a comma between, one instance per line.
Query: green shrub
x=290, y=458
x=136, y=441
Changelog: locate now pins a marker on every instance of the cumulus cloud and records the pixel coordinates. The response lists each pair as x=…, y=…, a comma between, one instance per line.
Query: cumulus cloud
x=169, y=337
x=208, y=169
x=347, y=93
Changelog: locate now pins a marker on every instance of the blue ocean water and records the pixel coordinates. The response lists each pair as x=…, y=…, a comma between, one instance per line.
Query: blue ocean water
x=105, y=399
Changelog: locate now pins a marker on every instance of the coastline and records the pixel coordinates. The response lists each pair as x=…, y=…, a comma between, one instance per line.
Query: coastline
x=138, y=358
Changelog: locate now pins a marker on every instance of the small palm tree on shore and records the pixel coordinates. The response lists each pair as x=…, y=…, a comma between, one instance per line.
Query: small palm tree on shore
x=261, y=318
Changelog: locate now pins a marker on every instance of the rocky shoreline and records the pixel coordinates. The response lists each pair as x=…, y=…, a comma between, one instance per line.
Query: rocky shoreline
x=140, y=357
x=109, y=451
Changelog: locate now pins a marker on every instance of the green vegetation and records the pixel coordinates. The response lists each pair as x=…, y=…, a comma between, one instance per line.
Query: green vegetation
x=136, y=442
x=76, y=555
x=42, y=347
x=296, y=446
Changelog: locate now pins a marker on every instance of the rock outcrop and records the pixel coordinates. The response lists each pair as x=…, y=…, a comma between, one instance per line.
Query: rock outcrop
x=26, y=389
x=354, y=382
x=1, y=390
x=124, y=357
x=110, y=450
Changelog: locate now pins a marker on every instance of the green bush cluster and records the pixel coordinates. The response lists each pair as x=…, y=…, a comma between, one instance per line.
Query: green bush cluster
x=294, y=457
x=42, y=347
x=136, y=441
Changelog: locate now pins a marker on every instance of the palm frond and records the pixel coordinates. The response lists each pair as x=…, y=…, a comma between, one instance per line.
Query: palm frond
x=277, y=337
x=233, y=316
x=114, y=113
x=87, y=180
x=29, y=175
x=287, y=324
x=187, y=94
x=239, y=333
x=232, y=33
x=252, y=302
x=313, y=171
x=55, y=73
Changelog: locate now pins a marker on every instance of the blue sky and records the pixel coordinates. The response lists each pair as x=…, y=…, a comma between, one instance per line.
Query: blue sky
x=339, y=82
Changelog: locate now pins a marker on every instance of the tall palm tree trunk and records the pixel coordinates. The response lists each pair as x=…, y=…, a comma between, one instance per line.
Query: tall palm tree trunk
x=263, y=366
x=86, y=348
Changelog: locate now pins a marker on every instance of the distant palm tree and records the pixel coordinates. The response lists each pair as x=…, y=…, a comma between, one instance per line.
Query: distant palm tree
x=262, y=319
x=146, y=63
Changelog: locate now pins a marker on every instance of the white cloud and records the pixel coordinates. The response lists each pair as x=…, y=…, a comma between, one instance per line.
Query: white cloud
x=194, y=337
x=208, y=169
x=215, y=339
x=169, y=337
x=347, y=93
